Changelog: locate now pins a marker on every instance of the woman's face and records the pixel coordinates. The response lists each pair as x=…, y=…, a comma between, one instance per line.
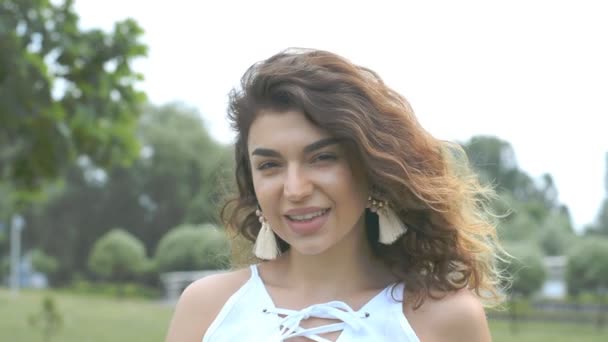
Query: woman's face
x=308, y=188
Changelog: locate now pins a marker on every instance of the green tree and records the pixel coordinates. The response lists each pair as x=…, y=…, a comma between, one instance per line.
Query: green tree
x=587, y=271
x=495, y=162
x=587, y=268
x=118, y=256
x=556, y=234
x=182, y=171
x=64, y=92
x=176, y=179
x=527, y=274
x=191, y=248
x=517, y=225
x=493, y=158
x=530, y=205
x=526, y=269
x=600, y=226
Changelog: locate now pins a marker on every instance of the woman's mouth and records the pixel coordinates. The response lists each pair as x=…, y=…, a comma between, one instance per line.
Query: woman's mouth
x=308, y=223
x=307, y=217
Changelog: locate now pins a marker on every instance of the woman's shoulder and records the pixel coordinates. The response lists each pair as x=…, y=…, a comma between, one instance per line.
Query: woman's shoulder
x=452, y=316
x=219, y=283
x=201, y=302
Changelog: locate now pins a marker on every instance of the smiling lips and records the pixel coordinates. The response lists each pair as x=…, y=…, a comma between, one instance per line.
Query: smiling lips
x=306, y=217
x=306, y=221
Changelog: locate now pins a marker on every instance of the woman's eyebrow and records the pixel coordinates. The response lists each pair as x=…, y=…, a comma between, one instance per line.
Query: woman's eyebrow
x=320, y=144
x=266, y=152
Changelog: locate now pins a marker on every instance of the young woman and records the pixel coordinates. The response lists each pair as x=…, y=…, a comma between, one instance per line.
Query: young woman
x=368, y=227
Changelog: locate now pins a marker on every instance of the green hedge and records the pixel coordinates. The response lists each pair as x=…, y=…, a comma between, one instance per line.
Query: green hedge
x=191, y=248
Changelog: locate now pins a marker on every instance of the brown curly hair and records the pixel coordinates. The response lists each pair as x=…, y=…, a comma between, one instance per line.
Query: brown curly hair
x=451, y=242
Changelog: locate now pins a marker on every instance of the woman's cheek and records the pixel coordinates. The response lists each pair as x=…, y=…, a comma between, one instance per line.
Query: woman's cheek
x=266, y=187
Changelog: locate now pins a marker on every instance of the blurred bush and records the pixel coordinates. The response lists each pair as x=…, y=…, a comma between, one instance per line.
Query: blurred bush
x=118, y=256
x=587, y=268
x=526, y=269
x=42, y=262
x=190, y=248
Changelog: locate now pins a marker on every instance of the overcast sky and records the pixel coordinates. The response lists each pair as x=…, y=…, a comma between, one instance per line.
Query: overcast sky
x=534, y=73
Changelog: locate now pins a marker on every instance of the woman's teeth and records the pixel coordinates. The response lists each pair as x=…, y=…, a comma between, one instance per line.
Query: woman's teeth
x=307, y=216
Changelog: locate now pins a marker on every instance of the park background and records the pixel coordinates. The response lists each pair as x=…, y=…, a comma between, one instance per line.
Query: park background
x=115, y=153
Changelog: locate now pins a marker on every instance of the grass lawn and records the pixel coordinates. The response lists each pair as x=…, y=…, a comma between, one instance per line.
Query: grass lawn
x=85, y=319
x=553, y=332
x=93, y=319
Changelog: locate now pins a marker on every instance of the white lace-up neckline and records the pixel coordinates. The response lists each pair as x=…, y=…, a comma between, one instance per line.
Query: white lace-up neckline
x=290, y=324
x=250, y=314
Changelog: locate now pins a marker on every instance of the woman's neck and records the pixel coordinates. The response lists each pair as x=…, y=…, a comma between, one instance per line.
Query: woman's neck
x=347, y=267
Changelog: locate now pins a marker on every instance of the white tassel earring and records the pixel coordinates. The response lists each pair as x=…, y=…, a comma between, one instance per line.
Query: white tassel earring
x=266, y=246
x=390, y=227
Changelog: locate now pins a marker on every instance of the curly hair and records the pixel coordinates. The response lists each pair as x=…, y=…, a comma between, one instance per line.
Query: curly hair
x=451, y=242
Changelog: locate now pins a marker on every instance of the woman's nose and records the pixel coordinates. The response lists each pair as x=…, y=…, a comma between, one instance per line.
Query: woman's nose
x=297, y=185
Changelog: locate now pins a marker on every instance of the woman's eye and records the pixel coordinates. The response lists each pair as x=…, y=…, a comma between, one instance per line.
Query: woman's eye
x=325, y=157
x=266, y=165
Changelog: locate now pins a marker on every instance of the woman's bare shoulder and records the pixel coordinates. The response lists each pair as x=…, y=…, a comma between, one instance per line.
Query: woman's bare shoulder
x=201, y=302
x=455, y=316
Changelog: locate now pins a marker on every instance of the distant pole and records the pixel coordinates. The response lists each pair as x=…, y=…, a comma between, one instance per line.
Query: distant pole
x=16, y=228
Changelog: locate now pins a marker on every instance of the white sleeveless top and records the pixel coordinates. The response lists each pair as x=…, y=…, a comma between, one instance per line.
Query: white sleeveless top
x=250, y=315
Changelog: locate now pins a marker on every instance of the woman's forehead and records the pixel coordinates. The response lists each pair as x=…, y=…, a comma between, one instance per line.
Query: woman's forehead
x=274, y=129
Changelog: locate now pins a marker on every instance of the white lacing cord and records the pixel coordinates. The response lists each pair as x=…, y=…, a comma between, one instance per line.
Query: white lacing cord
x=289, y=326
